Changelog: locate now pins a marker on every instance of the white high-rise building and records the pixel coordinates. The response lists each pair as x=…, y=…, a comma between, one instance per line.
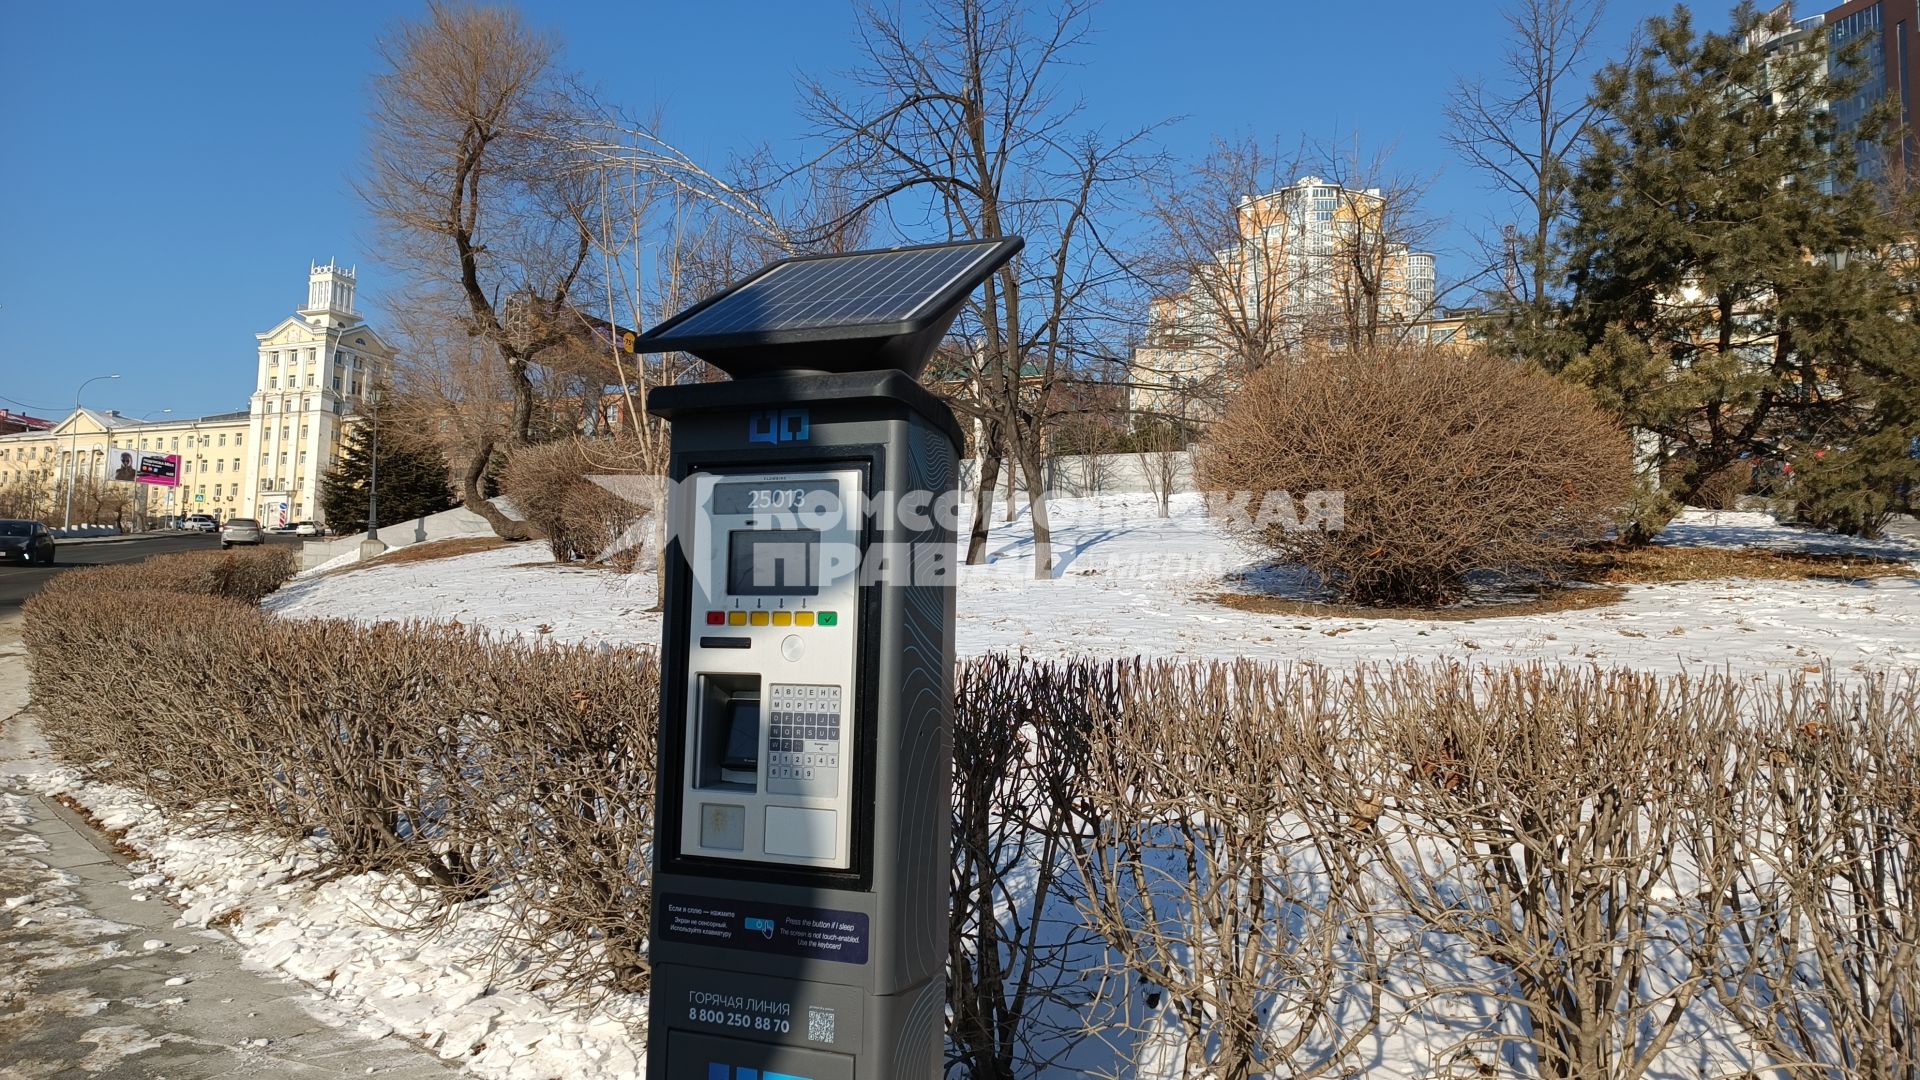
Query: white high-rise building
x=316, y=370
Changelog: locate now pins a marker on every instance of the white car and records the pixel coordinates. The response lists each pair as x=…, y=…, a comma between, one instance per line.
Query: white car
x=200, y=523
x=304, y=528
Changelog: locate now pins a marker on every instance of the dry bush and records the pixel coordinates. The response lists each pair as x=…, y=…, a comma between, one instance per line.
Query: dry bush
x=581, y=519
x=1015, y=947
x=1824, y=972
x=247, y=576
x=1447, y=462
x=1570, y=830
x=1222, y=869
x=475, y=767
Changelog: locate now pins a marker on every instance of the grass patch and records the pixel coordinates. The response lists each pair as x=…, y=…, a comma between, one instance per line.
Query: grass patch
x=1596, y=578
x=1653, y=565
x=1573, y=598
x=429, y=550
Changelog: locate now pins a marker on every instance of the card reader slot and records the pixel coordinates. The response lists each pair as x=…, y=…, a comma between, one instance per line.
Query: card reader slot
x=727, y=733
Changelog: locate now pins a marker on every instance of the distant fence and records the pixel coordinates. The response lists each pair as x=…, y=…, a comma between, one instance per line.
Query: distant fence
x=1104, y=474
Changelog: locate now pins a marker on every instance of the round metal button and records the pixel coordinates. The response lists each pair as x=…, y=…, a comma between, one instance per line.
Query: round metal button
x=792, y=647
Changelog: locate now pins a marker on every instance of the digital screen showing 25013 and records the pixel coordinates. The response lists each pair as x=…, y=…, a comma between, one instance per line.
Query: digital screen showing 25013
x=776, y=497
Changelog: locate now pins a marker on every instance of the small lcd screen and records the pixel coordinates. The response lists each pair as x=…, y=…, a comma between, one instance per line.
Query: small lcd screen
x=776, y=497
x=773, y=562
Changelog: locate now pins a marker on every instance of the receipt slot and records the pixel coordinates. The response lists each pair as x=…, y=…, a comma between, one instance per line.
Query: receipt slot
x=801, y=868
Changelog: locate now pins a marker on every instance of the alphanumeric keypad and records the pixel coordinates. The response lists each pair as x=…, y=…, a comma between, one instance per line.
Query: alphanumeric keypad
x=803, y=739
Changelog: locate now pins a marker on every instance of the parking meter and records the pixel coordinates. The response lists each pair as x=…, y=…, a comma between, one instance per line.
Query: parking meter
x=801, y=873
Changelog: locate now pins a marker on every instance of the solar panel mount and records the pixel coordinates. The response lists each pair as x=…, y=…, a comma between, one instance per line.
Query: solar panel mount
x=857, y=311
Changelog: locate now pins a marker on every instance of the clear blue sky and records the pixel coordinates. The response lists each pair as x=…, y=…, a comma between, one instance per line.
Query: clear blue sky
x=171, y=169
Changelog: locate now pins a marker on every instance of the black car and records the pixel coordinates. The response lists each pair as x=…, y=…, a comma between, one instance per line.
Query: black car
x=25, y=542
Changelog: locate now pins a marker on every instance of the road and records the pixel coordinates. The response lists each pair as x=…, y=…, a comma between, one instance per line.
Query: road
x=19, y=582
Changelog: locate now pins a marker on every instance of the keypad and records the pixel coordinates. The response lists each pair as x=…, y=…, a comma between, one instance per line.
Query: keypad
x=803, y=740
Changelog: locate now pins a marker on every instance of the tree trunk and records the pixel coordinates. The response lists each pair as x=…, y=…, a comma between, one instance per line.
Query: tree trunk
x=983, y=488
x=504, y=527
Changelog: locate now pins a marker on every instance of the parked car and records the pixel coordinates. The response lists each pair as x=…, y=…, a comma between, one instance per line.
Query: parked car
x=200, y=523
x=25, y=542
x=305, y=528
x=283, y=528
x=241, y=531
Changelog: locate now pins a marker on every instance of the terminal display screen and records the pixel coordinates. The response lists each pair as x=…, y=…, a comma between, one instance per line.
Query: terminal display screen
x=776, y=497
x=773, y=562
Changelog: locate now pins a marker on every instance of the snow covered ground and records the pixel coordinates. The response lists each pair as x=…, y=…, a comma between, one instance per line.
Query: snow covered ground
x=1130, y=583
x=340, y=939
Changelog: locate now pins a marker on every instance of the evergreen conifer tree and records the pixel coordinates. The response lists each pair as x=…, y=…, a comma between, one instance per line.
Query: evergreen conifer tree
x=1743, y=292
x=413, y=479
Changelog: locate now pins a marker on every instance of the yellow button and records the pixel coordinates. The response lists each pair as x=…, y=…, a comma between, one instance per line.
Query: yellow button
x=759, y=618
x=804, y=618
x=736, y=618
x=783, y=618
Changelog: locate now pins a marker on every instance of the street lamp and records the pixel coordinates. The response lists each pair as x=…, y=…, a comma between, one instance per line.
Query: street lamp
x=73, y=451
x=140, y=490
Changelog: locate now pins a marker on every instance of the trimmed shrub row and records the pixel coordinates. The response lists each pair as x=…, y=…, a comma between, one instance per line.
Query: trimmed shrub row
x=1236, y=870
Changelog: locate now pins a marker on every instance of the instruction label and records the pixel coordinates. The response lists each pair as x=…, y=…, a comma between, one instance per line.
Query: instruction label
x=818, y=933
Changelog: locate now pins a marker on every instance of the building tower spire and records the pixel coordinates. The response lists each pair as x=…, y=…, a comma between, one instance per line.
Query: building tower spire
x=330, y=292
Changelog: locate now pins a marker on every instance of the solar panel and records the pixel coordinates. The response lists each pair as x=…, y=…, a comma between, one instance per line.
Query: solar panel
x=875, y=305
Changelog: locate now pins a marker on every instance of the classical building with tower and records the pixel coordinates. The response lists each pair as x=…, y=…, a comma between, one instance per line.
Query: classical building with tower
x=313, y=373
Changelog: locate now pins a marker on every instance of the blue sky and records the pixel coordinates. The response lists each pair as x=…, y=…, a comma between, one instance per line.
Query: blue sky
x=170, y=170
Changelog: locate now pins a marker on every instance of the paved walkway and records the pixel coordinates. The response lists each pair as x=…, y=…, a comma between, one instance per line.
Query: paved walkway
x=96, y=981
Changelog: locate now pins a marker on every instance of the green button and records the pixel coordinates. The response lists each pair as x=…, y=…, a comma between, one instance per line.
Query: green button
x=829, y=618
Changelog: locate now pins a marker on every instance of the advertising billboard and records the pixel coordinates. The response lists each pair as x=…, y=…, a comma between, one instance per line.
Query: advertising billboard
x=143, y=467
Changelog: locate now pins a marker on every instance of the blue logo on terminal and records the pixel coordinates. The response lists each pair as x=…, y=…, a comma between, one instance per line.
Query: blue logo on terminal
x=718, y=1071
x=776, y=426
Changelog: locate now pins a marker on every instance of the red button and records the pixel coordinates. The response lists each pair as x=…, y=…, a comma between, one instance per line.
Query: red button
x=716, y=618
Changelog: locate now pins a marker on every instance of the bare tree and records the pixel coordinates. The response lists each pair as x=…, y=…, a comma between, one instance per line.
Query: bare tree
x=963, y=127
x=1521, y=130
x=1228, y=268
x=1380, y=280
x=472, y=173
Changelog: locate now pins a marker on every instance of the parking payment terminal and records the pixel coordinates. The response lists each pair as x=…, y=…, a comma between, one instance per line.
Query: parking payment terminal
x=801, y=854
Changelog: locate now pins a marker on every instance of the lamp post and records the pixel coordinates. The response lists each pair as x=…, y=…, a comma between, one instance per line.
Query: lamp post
x=73, y=451
x=139, y=489
x=371, y=547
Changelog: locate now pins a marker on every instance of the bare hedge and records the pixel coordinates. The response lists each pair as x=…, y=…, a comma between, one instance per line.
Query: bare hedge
x=244, y=575
x=1240, y=869
x=581, y=519
x=1446, y=462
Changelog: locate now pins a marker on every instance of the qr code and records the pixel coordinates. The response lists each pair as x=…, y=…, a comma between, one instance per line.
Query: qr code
x=819, y=1024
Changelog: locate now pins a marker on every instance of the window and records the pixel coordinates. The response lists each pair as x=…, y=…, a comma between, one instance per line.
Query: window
x=223, y=440
x=303, y=431
x=339, y=357
x=356, y=386
x=269, y=406
x=336, y=384
x=303, y=457
x=309, y=379
x=236, y=464
x=273, y=382
x=338, y=408
x=176, y=442
x=220, y=465
x=236, y=438
x=284, y=429
x=216, y=491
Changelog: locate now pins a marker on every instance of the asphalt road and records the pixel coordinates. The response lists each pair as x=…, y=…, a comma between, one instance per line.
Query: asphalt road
x=19, y=582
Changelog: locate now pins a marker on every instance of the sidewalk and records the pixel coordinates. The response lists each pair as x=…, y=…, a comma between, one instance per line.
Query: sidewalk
x=96, y=980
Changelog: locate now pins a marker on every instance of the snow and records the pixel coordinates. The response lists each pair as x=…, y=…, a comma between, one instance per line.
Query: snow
x=341, y=939
x=1130, y=583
